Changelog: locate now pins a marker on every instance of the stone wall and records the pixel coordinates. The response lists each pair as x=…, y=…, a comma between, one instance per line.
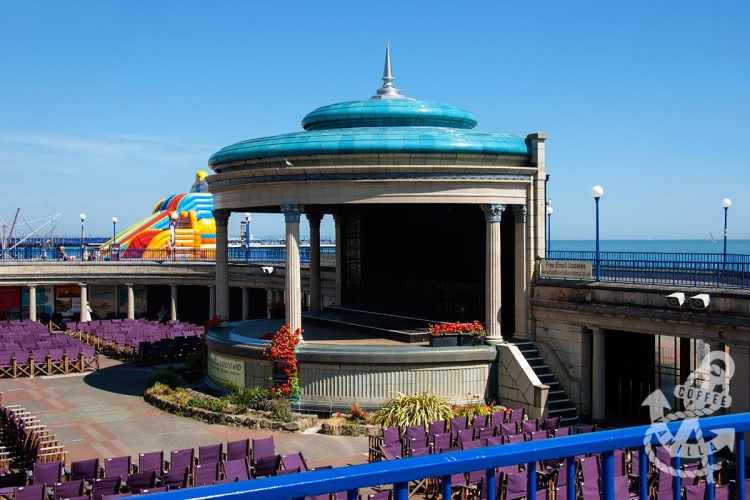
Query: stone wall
x=518, y=384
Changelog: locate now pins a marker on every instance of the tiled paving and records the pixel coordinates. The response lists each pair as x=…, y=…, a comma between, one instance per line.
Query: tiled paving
x=103, y=414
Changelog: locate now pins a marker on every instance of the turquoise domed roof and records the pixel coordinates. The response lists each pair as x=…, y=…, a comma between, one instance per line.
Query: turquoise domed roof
x=388, y=113
x=386, y=123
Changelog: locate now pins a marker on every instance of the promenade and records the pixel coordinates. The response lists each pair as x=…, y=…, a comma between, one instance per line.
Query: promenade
x=102, y=414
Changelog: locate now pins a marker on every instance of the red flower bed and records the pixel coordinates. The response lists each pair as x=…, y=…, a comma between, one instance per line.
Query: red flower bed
x=475, y=328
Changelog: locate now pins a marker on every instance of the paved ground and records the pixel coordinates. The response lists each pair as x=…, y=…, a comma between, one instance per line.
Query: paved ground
x=103, y=414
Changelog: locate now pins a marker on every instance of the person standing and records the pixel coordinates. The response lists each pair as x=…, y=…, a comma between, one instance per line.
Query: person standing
x=45, y=247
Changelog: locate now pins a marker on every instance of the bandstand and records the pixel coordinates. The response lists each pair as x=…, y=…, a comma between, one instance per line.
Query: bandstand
x=434, y=221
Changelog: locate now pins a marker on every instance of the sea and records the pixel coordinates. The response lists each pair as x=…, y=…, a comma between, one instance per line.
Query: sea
x=737, y=247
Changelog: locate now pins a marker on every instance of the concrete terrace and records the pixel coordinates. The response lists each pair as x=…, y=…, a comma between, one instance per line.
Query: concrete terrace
x=102, y=414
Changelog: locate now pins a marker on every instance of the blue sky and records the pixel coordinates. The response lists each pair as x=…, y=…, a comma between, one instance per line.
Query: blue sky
x=108, y=107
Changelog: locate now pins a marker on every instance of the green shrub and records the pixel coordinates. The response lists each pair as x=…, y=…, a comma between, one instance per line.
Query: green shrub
x=245, y=399
x=417, y=409
x=194, y=361
x=165, y=377
x=473, y=409
x=282, y=410
x=159, y=389
x=211, y=404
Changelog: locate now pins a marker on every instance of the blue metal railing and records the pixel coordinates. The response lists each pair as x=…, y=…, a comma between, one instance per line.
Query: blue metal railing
x=255, y=254
x=400, y=472
x=689, y=269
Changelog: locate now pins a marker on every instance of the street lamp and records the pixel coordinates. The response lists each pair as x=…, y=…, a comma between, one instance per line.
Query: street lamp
x=247, y=235
x=114, y=230
x=83, y=218
x=549, y=226
x=597, y=192
x=726, y=203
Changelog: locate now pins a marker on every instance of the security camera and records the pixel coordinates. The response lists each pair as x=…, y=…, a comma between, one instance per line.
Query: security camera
x=700, y=301
x=675, y=299
x=267, y=269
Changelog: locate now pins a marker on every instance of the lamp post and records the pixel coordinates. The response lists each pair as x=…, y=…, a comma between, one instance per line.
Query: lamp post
x=83, y=218
x=247, y=235
x=114, y=230
x=597, y=192
x=549, y=226
x=725, y=203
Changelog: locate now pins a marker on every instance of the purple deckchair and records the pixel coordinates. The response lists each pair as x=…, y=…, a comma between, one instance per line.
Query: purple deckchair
x=238, y=449
x=105, y=486
x=210, y=454
x=236, y=470
x=206, y=474
x=141, y=481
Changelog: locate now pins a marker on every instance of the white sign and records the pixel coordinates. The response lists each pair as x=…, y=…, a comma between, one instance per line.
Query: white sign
x=225, y=370
x=574, y=269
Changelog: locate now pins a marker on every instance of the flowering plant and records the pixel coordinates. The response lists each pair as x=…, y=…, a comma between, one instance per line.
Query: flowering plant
x=212, y=323
x=282, y=351
x=474, y=329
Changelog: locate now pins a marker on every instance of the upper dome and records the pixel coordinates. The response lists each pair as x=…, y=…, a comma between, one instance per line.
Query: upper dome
x=392, y=112
x=386, y=123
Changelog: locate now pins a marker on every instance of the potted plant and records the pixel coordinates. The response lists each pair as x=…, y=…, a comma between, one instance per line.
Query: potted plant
x=451, y=334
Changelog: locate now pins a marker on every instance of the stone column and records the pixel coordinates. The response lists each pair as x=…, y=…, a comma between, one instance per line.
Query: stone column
x=211, y=301
x=493, y=215
x=245, y=303
x=173, y=303
x=339, y=259
x=598, y=390
x=537, y=202
x=521, y=276
x=293, y=290
x=84, y=303
x=131, y=301
x=269, y=298
x=32, y=302
x=315, y=299
x=221, y=304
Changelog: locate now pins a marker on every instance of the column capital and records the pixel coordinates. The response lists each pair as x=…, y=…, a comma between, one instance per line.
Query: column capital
x=291, y=212
x=494, y=212
x=314, y=218
x=596, y=330
x=519, y=214
x=221, y=217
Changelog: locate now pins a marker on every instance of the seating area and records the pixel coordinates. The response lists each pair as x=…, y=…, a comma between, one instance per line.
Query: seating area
x=507, y=428
x=151, y=472
x=25, y=441
x=29, y=349
x=140, y=340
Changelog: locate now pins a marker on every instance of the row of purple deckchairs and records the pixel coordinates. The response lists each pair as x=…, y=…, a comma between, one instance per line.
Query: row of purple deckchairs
x=26, y=440
x=145, y=341
x=459, y=429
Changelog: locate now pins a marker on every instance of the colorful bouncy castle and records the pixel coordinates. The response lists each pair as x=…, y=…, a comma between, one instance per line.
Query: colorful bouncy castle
x=189, y=216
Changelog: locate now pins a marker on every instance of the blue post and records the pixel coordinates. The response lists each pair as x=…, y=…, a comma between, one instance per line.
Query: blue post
x=491, y=484
x=642, y=473
x=352, y=494
x=401, y=491
x=608, y=475
x=446, y=482
x=570, y=471
x=598, y=264
x=530, y=480
x=677, y=480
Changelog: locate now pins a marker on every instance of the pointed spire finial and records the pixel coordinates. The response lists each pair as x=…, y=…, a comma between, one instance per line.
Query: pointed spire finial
x=387, y=91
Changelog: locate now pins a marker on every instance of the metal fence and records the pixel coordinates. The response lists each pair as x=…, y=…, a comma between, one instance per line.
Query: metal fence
x=687, y=269
x=400, y=473
x=256, y=254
